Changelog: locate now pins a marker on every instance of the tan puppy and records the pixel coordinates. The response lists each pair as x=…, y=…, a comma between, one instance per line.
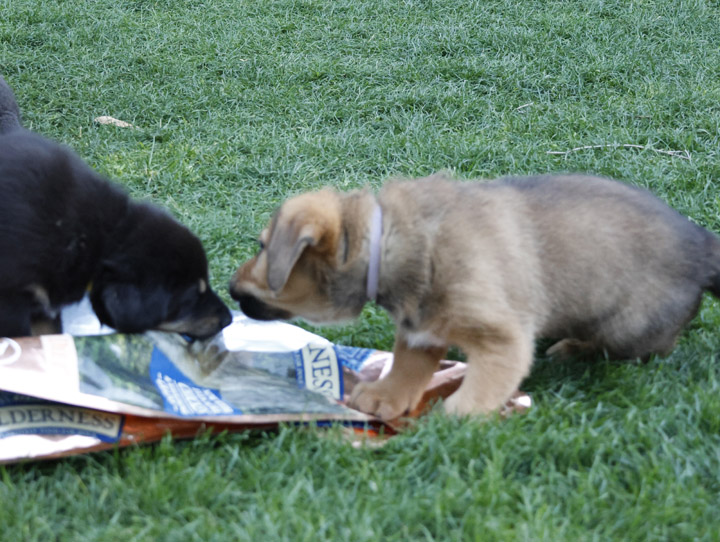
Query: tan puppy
x=488, y=267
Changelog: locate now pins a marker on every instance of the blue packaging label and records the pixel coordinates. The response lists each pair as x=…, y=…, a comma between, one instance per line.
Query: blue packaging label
x=351, y=357
x=317, y=369
x=180, y=395
x=23, y=415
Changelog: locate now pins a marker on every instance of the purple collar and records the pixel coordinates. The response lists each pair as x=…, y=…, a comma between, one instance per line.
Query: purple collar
x=373, y=276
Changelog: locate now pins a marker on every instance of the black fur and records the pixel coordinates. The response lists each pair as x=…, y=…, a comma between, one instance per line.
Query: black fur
x=9, y=110
x=64, y=229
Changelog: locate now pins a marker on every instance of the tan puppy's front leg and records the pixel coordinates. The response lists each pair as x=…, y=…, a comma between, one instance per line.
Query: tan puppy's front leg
x=496, y=365
x=402, y=388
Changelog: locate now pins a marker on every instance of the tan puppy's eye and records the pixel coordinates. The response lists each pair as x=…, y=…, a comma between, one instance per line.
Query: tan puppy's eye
x=202, y=286
x=261, y=240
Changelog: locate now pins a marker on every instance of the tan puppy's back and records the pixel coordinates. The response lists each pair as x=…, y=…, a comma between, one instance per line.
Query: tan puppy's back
x=579, y=256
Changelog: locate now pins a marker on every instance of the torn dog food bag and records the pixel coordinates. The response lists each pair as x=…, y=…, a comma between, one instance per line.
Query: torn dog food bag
x=92, y=389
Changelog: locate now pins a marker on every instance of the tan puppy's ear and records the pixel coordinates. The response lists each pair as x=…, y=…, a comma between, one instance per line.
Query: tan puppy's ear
x=309, y=220
x=287, y=243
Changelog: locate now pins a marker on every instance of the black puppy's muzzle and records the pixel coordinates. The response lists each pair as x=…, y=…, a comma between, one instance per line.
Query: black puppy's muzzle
x=257, y=310
x=212, y=316
x=206, y=318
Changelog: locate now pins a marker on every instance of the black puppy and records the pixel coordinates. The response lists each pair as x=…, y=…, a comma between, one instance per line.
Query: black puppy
x=64, y=231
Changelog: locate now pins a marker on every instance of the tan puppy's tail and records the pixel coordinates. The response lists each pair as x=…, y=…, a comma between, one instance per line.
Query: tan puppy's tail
x=714, y=287
x=714, y=261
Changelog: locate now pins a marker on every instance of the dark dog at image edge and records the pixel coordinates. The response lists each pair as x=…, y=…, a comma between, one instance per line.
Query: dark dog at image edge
x=488, y=267
x=64, y=230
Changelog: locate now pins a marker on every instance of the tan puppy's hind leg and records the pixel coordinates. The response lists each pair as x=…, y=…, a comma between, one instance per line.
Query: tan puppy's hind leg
x=572, y=348
x=401, y=390
x=495, y=368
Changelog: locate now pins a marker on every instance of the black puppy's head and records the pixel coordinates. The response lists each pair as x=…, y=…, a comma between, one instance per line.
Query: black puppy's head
x=155, y=276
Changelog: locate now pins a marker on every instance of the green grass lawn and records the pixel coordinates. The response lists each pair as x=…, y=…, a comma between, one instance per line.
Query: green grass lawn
x=239, y=104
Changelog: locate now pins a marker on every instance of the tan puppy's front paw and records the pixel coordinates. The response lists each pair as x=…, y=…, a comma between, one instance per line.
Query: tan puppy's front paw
x=382, y=399
x=456, y=406
x=459, y=404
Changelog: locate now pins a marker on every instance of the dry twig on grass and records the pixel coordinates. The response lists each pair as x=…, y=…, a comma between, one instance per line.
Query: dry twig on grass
x=685, y=155
x=113, y=121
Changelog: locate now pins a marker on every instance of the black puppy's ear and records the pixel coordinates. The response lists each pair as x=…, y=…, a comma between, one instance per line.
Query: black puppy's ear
x=124, y=308
x=9, y=110
x=287, y=243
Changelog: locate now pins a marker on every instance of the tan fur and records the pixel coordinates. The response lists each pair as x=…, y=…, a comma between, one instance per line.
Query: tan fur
x=488, y=267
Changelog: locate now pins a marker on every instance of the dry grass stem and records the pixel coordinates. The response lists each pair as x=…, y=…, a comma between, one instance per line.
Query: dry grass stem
x=685, y=155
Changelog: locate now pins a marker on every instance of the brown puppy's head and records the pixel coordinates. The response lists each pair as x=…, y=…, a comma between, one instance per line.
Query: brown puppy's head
x=304, y=259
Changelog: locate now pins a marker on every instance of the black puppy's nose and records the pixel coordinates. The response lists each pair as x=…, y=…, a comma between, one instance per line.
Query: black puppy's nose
x=225, y=317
